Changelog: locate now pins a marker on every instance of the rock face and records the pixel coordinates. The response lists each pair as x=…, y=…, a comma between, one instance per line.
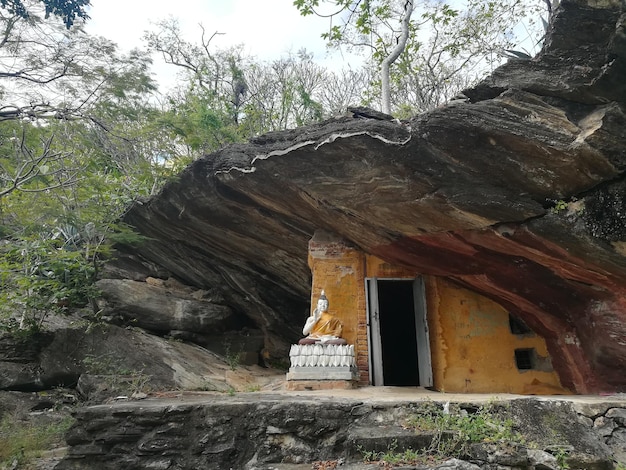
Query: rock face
x=161, y=309
x=108, y=361
x=518, y=194
x=258, y=431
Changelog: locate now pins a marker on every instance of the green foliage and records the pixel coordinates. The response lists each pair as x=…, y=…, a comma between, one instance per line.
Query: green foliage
x=457, y=429
x=200, y=124
x=394, y=457
x=227, y=97
x=67, y=10
x=54, y=242
x=69, y=171
x=233, y=359
x=38, y=276
x=561, y=459
x=452, y=430
x=448, y=47
x=572, y=208
x=559, y=206
x=22, y=441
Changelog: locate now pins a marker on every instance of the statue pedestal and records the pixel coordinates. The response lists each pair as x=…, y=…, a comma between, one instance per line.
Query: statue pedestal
x=322, y=366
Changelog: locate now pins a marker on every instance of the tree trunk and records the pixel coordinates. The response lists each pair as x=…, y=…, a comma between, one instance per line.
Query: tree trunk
x=395, y=53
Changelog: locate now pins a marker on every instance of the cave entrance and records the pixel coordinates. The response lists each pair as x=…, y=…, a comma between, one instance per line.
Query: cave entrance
x=398, y=333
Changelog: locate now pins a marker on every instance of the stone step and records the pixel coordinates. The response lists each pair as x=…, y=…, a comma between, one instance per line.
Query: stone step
x=381, y=439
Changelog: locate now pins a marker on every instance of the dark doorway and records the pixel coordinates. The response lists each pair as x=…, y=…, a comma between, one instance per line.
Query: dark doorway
x=398, y=332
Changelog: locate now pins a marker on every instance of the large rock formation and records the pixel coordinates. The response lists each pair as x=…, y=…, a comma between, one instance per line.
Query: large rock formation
x=106, y=361
x=517, y=194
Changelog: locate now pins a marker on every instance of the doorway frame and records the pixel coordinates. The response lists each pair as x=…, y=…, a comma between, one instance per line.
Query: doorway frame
x=374, y=342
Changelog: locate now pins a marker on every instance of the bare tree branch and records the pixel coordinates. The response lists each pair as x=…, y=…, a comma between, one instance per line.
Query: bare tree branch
x=29, y=166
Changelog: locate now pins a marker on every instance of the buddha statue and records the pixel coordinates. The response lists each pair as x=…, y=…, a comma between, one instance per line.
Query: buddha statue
x=322, y=326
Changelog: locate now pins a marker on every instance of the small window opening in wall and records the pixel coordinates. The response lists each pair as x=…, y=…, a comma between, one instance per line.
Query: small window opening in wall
x=525, y=359
x=518, y=327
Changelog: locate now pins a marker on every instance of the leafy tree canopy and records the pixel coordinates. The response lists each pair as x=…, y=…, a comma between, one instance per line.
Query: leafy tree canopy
x=67, y=10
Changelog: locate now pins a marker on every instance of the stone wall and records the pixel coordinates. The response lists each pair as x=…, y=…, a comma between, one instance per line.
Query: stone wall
x=608, y=420
x=254, y=431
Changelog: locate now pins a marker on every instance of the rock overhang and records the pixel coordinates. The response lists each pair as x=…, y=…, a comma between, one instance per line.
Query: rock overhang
x=494, y=194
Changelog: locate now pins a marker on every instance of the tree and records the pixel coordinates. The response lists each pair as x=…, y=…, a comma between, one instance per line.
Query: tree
x=284, y=93
x=50, y=74
x=79, y=142
x=67, y=10
x=391, y=57
x=345, y=88
x=364, y=21
x=205, y=110
x=34, y=169
x=226, y=97
x=422, y=36
x=54, y=237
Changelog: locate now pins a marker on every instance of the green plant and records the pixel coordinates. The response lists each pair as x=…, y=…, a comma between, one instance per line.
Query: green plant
x=393, y=457
x=22, y=441
x=368, y=455
x=554, y=432
x=233, y=359
x=253, y=388
x=561, y=455
x=204, y=386
x=455, y=429
x=405, y=457
x=139, y=382
x=559, y=206
x=40, y=276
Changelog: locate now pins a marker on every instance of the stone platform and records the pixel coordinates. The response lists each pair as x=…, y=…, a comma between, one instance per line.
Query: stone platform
x=263, y=431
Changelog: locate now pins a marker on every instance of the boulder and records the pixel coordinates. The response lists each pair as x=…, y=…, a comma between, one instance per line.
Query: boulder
x=107, y=360
x=160, y=308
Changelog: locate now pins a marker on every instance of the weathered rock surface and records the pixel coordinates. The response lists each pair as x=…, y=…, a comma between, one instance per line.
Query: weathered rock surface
x=107, y=361
x=518, y=195
x=161, y=309
x=255, y=431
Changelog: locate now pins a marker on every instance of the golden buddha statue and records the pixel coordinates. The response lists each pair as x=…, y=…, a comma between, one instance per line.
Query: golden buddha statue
x=322, y=326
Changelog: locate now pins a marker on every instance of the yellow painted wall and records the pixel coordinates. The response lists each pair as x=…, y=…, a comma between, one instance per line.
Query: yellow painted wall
x=473, y=348
x=471, y=344
x=338, y=269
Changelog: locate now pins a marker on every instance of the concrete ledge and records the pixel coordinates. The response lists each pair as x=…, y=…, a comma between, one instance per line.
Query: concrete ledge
x=302, y=385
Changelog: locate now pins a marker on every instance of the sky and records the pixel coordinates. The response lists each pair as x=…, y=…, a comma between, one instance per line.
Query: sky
x=269, y=29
